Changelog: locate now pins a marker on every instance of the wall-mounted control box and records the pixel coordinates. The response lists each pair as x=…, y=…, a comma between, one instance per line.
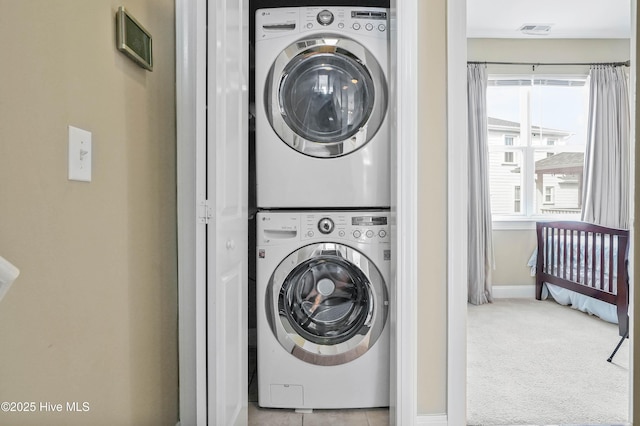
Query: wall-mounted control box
x=133, y=39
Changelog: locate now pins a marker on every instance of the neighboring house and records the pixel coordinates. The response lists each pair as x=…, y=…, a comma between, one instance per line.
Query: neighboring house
x=559, y=181
x=556, y=176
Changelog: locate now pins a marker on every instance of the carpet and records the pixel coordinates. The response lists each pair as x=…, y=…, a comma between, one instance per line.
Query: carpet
x=533, y=362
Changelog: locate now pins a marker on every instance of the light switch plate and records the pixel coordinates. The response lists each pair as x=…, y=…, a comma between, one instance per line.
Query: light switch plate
x=8, y=274
x=79, y=154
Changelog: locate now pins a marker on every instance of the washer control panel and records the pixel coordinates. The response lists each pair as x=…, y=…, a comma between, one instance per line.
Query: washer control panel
x=366, y=227
x=362, y=227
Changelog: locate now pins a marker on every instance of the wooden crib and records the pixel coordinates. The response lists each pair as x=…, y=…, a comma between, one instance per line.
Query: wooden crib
x=588, y=259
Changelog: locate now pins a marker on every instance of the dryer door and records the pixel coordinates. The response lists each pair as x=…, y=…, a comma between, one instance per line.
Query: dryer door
x=327, y=304
x=326, y=96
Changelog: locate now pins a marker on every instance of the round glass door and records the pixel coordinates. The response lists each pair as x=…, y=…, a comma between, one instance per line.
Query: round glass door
x=326, y=97
x=327, y=304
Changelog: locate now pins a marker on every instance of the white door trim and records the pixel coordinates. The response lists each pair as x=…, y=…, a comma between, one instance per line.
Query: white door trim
x=404, y=407
x=191, y=137
x=457, y=192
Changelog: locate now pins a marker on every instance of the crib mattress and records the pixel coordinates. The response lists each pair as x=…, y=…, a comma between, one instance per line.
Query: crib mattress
x=566, y=297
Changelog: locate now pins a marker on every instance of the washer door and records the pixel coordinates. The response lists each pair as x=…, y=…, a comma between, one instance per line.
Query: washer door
x=326, y=304
x=326, y=96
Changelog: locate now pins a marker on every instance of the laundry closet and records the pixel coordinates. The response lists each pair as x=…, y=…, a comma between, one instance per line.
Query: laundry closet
x=319, y=198
x=287, y=266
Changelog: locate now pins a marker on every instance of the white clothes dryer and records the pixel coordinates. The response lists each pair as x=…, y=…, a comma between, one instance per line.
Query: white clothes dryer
x=322, y=309
x=322, y=138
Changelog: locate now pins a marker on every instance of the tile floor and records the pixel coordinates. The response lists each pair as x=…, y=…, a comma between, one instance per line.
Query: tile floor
x=281, y=417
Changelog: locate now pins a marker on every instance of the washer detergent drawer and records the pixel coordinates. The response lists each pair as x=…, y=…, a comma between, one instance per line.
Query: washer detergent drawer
x=287, y=395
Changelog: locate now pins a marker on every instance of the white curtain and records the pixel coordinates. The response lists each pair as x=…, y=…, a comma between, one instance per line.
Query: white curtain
x=480, y=233
x=606, y=168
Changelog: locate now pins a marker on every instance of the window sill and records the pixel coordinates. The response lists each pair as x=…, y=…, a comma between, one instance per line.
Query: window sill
x=521, y=223
x=513, y=224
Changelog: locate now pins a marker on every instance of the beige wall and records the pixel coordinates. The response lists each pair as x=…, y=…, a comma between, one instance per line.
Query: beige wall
x=546, y=50
x=432, y=296
x=512, y=250
x=92, y=316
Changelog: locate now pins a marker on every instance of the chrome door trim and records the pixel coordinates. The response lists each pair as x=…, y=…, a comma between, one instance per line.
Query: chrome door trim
x=348, y=50
x=361, y=340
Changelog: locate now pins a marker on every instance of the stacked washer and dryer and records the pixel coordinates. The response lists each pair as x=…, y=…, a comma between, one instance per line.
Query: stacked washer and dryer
x=323, y=194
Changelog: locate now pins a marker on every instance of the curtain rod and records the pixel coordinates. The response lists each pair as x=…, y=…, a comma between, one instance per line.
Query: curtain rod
x=537, y=64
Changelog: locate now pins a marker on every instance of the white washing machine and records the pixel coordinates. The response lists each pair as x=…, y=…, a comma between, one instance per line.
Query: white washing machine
x=322, y=135
x=322, y=309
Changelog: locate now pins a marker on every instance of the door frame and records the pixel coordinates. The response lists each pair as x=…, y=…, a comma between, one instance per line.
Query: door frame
x=457, y=195
x=190, y=49
x=407, y=130
x=404, y=127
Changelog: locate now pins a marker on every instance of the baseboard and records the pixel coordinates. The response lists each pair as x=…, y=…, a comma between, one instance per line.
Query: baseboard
x=514, y=291
x=433, y=420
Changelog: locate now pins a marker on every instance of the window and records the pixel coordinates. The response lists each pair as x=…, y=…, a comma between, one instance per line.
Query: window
x=537, y=137
x=548, y=194
x=508, y=155
x=550, y=142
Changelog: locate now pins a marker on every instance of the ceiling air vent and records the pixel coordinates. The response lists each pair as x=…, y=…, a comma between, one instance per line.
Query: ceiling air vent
x=535, y=29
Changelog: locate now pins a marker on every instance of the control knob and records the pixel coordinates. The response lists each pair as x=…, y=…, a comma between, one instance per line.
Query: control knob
x=326, y=225
x=325, y=17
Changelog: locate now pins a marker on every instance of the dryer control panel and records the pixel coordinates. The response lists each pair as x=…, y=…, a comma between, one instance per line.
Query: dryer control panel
x=361, y=20
x=370, y=21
